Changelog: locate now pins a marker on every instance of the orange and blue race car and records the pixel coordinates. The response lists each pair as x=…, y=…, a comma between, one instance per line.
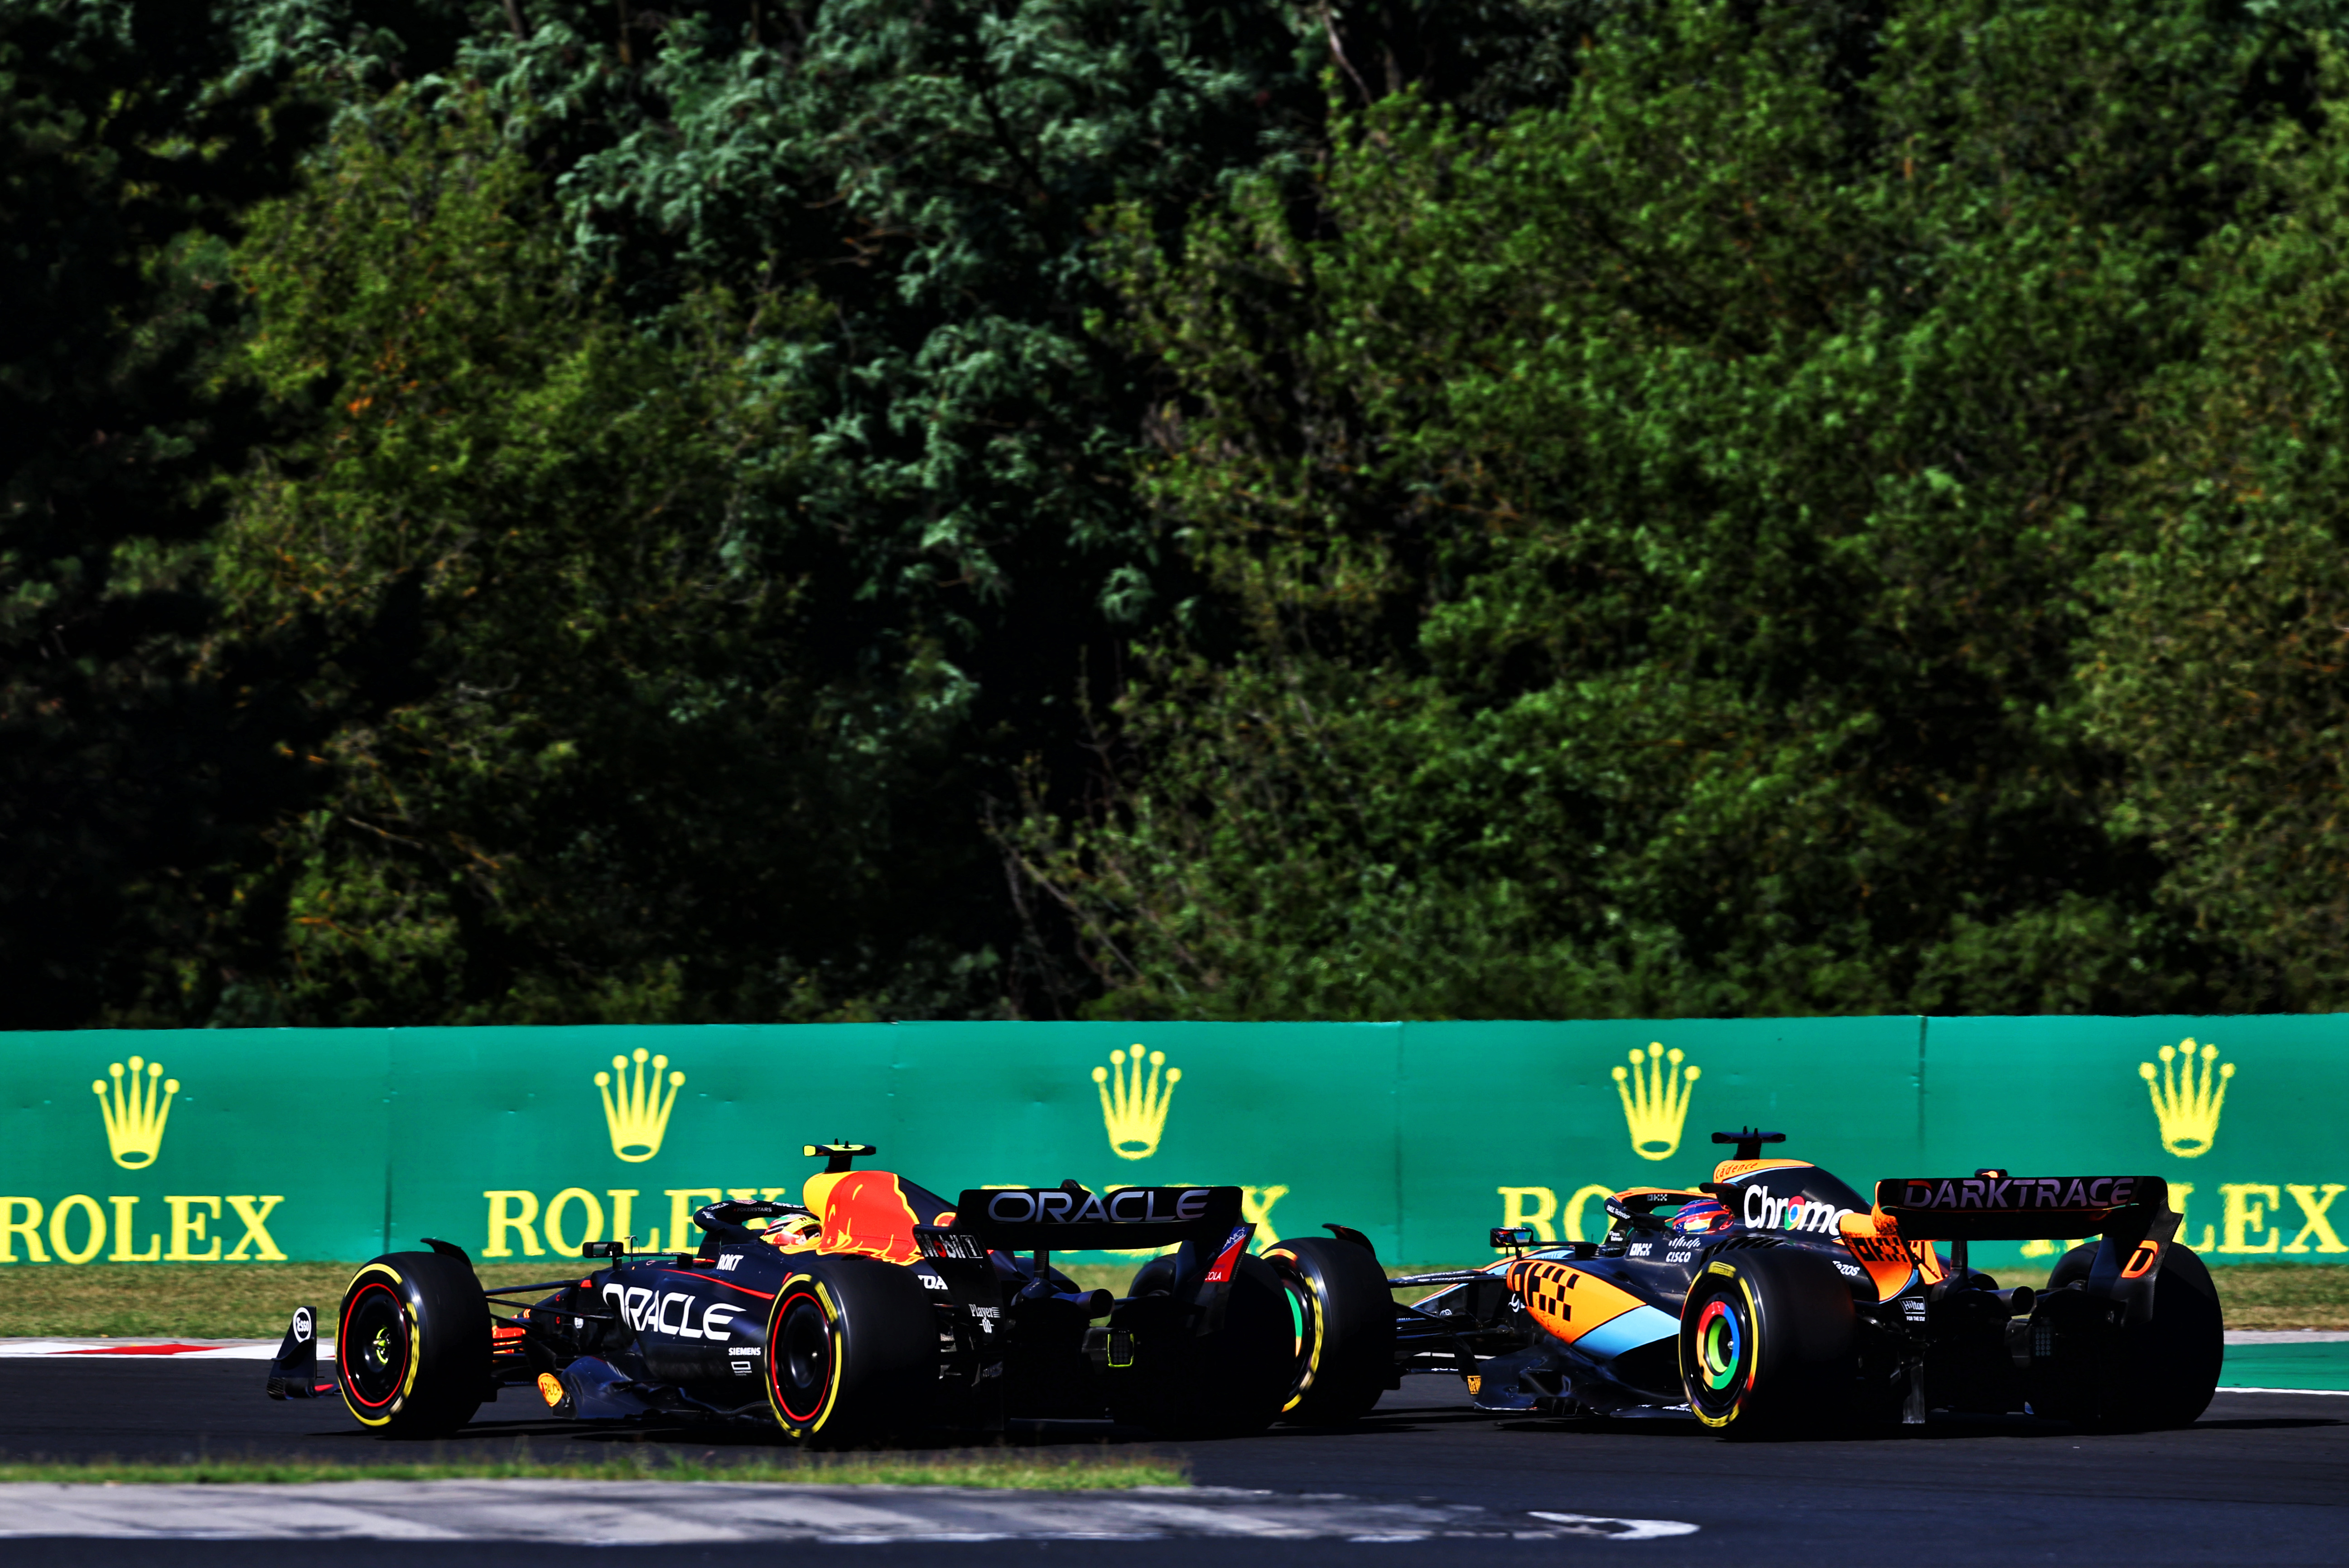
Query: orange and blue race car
x=876, y=1307
x=1775, y=1297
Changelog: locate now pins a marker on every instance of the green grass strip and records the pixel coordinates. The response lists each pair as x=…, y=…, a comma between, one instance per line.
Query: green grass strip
x=1024, y=1471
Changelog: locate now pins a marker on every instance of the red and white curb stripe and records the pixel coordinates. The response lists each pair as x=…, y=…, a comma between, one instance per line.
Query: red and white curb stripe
x=158, y=1349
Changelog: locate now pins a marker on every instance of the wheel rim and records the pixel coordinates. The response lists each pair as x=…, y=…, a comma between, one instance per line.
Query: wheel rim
x=1720, y=1344
x=373, y=1344
x=801, y=1357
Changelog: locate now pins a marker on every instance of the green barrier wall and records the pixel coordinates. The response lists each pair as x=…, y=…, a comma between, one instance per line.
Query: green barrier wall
x=337, y=1144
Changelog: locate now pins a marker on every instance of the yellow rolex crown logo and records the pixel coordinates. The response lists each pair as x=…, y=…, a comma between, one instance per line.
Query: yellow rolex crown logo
x=1135, y=1111
x=637, y=1114
x=2187, y=1110
x=135, y=1115
x=1655, y=1100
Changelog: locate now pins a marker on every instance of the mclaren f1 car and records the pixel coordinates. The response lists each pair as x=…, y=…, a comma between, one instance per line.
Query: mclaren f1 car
x=1775, y=1297
x=877, y=1307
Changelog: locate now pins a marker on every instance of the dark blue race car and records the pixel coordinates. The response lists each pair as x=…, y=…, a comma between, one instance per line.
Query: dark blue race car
x=878, y=1307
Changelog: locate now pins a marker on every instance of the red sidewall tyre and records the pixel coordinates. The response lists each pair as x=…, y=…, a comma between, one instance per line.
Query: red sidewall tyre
x=851, y=1353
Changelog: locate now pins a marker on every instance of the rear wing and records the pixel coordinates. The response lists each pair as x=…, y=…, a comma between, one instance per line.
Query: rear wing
x=2130, y=1213
x=1068, y=1218
x=1992, y=1206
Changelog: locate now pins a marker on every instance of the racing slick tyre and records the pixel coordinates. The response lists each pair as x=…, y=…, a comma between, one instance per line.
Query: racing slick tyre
x=412, y=1344
x=1341, y=1316
x=2156, y=1373
x=1228, y=1383
x=852, y=1351
x=1768, y=1342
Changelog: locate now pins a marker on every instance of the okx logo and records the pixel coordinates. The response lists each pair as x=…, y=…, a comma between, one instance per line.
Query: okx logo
x=637, y=1113
x=2188, y=1111
x=135, y=1114
x=1655, y=1100
x=1134, y=1111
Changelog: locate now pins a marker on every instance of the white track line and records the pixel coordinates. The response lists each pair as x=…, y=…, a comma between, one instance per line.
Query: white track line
x=654, y=1512
x=2287, y=1337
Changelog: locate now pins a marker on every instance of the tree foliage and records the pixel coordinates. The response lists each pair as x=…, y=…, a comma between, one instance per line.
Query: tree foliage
x=2217, y=664
x=1653, y=529
x=583, y=763
x=563, y=510
x=135, y=775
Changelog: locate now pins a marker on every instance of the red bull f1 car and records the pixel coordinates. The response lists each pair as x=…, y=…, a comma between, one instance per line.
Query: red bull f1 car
x=1775, y=1298
x=878, y=1307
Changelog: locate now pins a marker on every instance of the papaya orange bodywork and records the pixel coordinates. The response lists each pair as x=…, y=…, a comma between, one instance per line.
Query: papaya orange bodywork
x=1874, y=1239
x=1566, y=1301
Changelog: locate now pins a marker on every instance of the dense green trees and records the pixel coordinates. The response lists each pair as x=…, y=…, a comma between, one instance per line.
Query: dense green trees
x=2218, y=665
x=809, y=508
x=579, y=764
x=1656, y=526
x=135, y=778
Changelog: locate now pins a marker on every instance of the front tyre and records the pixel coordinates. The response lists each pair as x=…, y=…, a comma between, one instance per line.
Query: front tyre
x=412, y=1344
x=1767, y=1344
x=852, y=1351
x=1342, y=1315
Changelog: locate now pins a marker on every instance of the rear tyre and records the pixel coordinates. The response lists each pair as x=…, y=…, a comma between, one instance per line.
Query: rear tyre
x=852, y=1351
x=1768, y=1345
x=1155, y=1277
x=2156, y=1373
x=2072, y=1266
x=1342, y=1318
x=1228, y=1384
x=412, y=1344
x=2180, y=1352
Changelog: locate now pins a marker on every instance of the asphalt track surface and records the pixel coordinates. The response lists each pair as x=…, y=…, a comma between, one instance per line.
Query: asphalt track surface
x=2261, y=1478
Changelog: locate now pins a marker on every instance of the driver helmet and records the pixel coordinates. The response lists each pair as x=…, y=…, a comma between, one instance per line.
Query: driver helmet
x=1696, y=1218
